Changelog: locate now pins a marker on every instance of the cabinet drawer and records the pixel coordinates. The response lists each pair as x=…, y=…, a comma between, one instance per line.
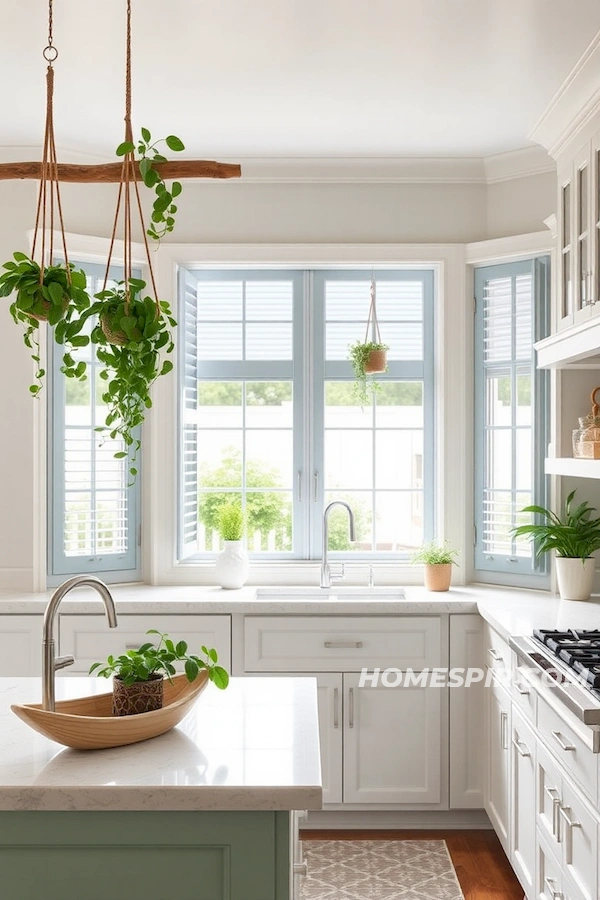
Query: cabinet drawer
x=523, y=695
x=497, y=653
x=327, y=644
x=568, y=747
x=89, y=639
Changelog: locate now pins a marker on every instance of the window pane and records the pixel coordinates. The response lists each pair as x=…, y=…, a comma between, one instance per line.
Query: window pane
x=209, y=504
x=220, y=404
x=399, y=459
x=499, y=458
x=342, y=410
x=222, y=341
x=398, y=520
x=269, y=340
x=269, y=300
x=269, y=515
x=360, y=503
x=269, y=404
x=269, y=458
x=220, y=458
x=348, y=459
x=220, y=301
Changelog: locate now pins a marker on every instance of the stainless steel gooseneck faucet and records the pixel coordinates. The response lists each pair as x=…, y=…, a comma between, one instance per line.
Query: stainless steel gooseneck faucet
x=326, y=574
x=51, y=662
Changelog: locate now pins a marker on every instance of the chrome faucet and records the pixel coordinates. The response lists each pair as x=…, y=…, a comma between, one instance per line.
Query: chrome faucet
x=326, y=574
x=51, y=662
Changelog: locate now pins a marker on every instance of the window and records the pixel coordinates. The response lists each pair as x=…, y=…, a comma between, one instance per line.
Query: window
x=92, y=508
x=268, y=414
x=511, y=412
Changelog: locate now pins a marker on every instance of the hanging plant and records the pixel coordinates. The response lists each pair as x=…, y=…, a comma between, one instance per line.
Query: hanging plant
x=368, y=357
x=131, y=333
x=55, y=294
x=163, y=208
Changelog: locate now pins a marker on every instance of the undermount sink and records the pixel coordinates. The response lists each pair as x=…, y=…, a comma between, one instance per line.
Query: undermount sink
x=339, y=592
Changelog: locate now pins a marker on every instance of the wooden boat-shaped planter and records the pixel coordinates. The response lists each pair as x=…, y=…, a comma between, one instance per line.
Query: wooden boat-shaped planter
x=87, y=723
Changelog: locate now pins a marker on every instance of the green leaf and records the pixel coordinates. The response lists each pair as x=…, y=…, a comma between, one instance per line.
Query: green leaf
x=145, y=166
x=167, y=366
x=191, y=669
x=176, y=189
x=174, y=143
x=219, y=677
x=146, y=135
x=124, y=148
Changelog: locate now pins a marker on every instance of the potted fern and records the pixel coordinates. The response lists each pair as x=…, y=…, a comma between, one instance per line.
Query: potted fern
x=574, y=536
x=231, y=567
x=437, y=560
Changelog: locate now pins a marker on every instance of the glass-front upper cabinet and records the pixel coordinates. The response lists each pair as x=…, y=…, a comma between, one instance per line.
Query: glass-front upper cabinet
x=565, y=308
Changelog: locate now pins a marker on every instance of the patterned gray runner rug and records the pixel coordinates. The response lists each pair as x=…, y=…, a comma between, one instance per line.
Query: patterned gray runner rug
x=379, y=870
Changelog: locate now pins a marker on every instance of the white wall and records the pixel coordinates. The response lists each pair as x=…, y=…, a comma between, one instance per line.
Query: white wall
x=227, y=212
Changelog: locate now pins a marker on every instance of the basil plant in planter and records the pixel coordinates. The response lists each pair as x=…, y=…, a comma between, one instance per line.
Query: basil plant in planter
x=138, y=674
x=574, y=535
x=131, y=333
x=55, y=294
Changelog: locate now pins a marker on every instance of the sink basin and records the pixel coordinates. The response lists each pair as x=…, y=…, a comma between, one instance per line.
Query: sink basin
x=339, y=592
x=87, y=723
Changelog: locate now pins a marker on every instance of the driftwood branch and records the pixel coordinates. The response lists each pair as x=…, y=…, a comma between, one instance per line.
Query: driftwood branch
x=110, y=173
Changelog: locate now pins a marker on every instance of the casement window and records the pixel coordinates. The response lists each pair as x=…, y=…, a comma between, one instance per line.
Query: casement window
x=511, y=416
x=92, y=507
x=268, y=415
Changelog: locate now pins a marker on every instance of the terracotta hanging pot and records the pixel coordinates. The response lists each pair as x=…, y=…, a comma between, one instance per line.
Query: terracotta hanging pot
x=376, y=362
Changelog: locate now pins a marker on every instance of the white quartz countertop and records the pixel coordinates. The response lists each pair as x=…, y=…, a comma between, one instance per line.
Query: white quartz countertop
x=254, y=746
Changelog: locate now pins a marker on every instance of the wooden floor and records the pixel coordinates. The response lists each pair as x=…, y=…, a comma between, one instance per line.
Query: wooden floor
x=482, y=868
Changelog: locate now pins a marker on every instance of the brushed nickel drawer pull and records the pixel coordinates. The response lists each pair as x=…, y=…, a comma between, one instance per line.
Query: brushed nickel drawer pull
x=521, y=689
x=520, y=745
x=556, y=895
x=336, y=708
x=503, y=730
x=497, y=657
x=351, y=716
x=561, y=741
x=553, y=794
x=343, y=645
x=301, y=868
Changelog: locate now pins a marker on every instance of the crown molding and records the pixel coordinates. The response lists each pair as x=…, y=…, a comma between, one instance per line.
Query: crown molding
x=366, y=170
x=518, y=164
x=576, y=100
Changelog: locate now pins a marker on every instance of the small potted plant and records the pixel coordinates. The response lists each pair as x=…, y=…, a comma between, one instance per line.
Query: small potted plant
x=231, y=567
x=131, y=332
x=574, y=535
x=437, y=560
x=56, y=295
x=368, y=359
x=138, y=674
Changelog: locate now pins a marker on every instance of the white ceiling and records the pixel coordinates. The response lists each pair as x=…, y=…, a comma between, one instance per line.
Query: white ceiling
x=294, y=78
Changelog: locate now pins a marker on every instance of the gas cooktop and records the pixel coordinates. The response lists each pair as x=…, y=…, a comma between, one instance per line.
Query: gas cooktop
x=578, y=649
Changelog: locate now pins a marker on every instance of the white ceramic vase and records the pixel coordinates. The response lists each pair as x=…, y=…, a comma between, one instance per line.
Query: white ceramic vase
x=575, y=577
x=231, y=567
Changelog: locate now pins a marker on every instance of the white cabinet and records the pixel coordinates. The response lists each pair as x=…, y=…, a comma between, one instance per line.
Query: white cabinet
x=497, y=781
x=89, y=639
x=330, y=695
x=466, y=714
x=522, y=802
x=20, y=645
x=392, y=743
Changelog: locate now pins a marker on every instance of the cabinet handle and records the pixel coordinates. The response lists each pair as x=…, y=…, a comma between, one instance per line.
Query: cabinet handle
x=315, y=486
x=336, y=708
x=561, y=741
x=520, y=745
x=571, y=824
x=553, y=794
x=343, y=645
x=497, y=657
x=503, y=730
x=351, y=711
x=521, y=689
x=554, y=894
x=301, y=868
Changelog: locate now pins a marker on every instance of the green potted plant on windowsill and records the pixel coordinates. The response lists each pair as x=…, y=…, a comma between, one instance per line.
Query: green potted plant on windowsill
x=231, y=566
x=368, y=360
x=574, y=535
x=437, y=560
x=138, y=674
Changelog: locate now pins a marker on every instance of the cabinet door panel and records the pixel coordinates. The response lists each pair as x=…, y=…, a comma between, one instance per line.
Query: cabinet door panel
x=329, y=690
x=548, y=798
x=579, y=833
x=548, y=873
x=392, y=743
x=497, y=781
x=522, y=837
x=466, y=710
x=20, y=645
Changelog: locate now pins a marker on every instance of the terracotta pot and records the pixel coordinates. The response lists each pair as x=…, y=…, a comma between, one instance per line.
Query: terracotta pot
x=438, y=577
x=376, y=362
x=575, y=577
x=139, y=697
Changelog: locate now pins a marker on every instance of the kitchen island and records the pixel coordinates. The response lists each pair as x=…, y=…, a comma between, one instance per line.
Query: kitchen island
x=204, y=812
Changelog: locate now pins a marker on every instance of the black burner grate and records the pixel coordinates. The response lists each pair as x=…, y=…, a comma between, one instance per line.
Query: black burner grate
x=580, y=649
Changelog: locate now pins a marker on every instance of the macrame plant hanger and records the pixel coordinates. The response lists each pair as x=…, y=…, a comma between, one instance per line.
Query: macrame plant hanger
x=377, y=361
x=128, y=178
x=49, y=191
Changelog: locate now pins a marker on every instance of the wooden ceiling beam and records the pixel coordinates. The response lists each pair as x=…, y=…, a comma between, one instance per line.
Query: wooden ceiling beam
x=111, y=173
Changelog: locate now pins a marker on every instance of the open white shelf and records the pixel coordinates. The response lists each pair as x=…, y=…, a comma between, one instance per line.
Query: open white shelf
x=579, y=468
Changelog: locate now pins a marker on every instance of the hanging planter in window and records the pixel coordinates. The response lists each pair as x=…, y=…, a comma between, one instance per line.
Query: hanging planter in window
x=369, y=357
x=46, y=290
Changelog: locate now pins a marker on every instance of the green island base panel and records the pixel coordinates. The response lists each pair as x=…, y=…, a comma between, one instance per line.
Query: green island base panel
x=99, y=855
